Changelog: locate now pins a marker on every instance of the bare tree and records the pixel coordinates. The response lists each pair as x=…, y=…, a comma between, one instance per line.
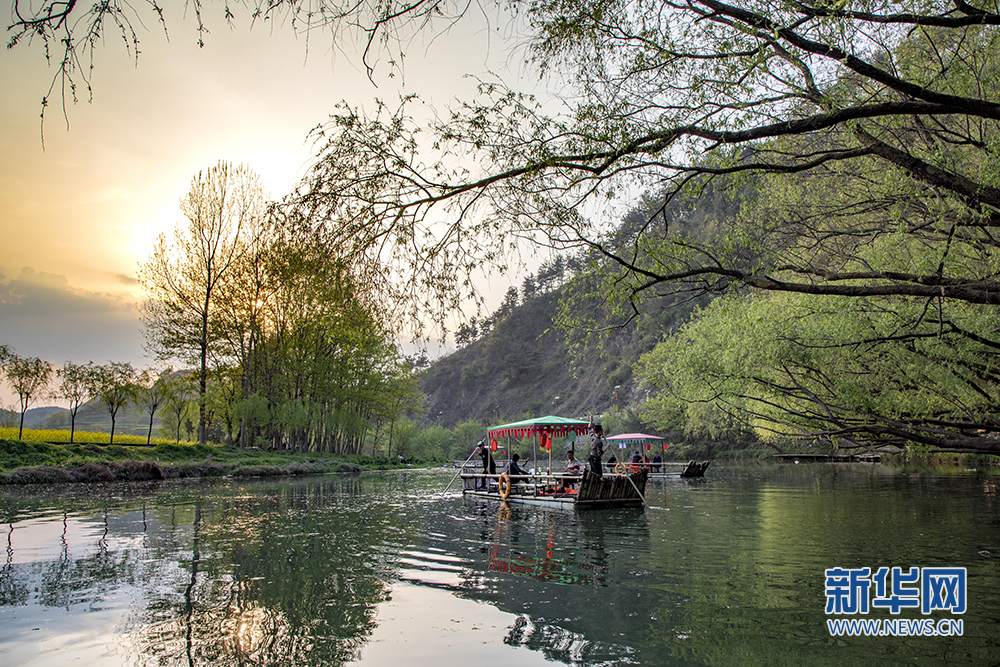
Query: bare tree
x=182, y=277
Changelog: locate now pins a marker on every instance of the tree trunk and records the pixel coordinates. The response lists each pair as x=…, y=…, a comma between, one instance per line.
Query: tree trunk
x=203, y=374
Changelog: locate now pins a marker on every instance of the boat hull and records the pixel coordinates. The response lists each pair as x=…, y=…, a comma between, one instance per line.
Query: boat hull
x=610, y=490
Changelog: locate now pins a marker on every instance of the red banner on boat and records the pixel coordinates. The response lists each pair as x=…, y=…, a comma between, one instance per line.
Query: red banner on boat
x=553, y=427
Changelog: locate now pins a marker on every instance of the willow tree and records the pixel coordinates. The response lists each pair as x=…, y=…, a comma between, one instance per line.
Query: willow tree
x=28, y=377
x=870, y=130
x=182, y=277
x=669, y=95
x=114, y=385
x=73, y=388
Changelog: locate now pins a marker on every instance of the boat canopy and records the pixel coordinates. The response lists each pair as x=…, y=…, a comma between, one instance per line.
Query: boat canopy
x=626, y=439
x=633, y=438
x=552, y=426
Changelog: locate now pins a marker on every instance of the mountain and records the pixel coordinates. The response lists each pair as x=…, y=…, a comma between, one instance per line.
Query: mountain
x=36, y=417
x=524, y=367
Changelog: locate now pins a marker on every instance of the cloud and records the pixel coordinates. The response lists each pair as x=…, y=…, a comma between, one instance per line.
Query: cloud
x=126, y=280
x=43, y=315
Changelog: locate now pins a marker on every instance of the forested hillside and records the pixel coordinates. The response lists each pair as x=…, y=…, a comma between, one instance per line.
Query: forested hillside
x=522, y=361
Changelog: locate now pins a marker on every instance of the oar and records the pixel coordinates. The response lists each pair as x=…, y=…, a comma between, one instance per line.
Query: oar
x=459, y=471
x=629, y=478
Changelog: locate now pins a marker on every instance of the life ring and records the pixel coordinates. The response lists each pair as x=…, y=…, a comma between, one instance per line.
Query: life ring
x=504, y=485
x=620, y=469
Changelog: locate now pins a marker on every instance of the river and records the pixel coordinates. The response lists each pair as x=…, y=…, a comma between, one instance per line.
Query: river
x=383, y=569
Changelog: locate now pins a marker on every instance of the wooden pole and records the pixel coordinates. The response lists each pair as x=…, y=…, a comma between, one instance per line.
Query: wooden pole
x=629, y=478
x=459, y=471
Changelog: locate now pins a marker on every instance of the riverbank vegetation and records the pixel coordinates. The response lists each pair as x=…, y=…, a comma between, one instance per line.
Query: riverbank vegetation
x=27, y=462
x=285, y=345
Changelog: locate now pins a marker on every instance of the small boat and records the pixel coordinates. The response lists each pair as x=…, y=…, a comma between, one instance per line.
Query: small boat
x=621, y=484
x=659, y=469
x=587, y=490
x=663, y=470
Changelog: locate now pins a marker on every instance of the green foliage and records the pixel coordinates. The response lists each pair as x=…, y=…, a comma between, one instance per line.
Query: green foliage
x=28, y=377
x=17, y=453
x=796, y=366
x=169, y=452
x=431, y=441
x=464, y=438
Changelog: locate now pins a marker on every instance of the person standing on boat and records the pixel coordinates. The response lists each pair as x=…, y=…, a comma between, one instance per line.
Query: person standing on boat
x=597, y=449
x=489, y=465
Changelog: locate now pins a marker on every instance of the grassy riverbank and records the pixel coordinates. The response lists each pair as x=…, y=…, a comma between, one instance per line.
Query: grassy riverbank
x=30, y=462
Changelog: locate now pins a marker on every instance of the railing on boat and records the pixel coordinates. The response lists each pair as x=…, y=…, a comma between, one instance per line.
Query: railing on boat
x=578, y=489
x=689, y=469
x=669, y=468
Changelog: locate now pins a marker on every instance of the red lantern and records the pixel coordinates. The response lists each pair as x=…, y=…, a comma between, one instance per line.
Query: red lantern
x=493, y=444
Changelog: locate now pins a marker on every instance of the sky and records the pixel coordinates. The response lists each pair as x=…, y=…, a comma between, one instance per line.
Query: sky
x=80, y=210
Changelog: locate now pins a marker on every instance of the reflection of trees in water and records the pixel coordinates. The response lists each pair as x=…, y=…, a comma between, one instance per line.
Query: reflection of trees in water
x=279, y=578
x=13, y=591
x=87, y=579
x=530, y=562
x=531, y=557
x=276, y=573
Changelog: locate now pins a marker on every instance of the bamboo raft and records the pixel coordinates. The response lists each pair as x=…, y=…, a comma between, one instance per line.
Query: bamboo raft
x=670, y=469
x=610, y=490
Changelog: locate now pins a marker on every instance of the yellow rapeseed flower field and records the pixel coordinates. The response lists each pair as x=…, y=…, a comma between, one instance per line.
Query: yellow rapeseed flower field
x=81, y=437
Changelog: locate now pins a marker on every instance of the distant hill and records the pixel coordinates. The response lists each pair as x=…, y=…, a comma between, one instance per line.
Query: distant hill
x=91, y=417
x=520, y=368
x=524, y=362
x=35, y=417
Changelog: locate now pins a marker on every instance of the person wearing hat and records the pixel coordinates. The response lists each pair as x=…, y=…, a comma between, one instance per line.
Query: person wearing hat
x=489, y=465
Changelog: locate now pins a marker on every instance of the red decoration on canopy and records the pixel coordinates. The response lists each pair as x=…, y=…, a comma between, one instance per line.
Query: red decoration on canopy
x=493, y=445
x=558, y=427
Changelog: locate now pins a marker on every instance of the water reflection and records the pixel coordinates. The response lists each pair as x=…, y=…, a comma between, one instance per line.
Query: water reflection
x=373, y=569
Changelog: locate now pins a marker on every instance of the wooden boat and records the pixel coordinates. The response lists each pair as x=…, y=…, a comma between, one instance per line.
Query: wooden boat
x=621, y=484
x=587, y=490
x=656, y=470
x=664, y=470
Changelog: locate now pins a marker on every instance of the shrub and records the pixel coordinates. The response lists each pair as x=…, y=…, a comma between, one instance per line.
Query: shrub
x=15, y=453
x=137, y=471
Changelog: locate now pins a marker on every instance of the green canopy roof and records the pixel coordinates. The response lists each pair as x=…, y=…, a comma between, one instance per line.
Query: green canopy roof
x=553, y=426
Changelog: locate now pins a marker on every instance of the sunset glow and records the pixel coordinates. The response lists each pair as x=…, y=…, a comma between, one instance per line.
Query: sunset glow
x=83, y=197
